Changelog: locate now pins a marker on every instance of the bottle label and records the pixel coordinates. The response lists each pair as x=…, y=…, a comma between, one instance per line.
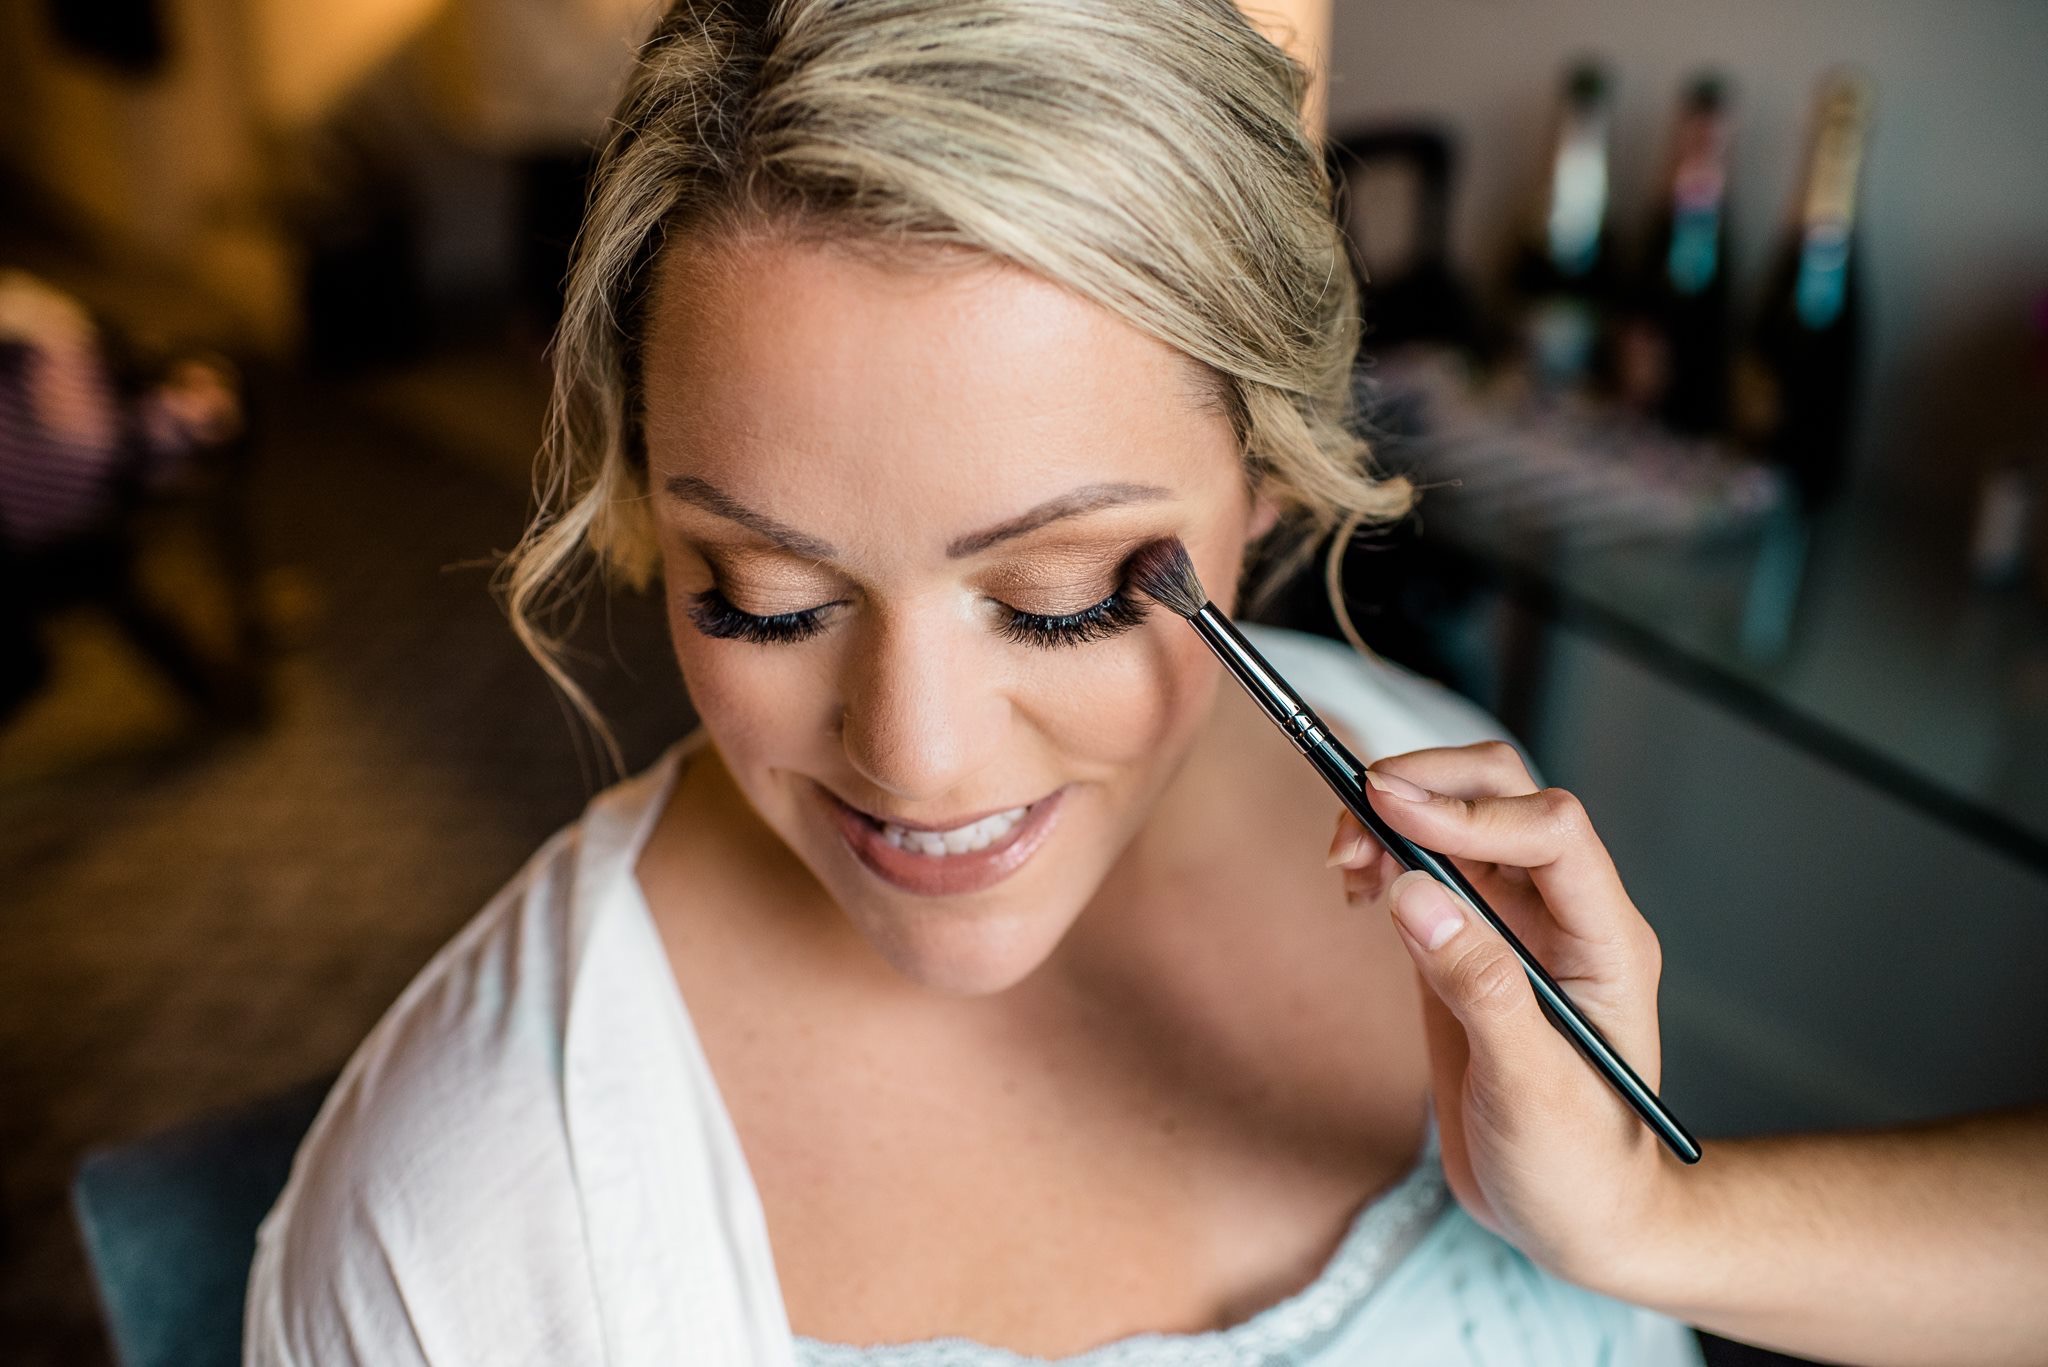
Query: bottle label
x=1830, y=208
x=1578, y=194
x=1698, y=187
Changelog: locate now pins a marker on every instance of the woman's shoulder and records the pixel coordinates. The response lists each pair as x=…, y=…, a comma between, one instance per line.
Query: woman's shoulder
x=439, y=1166
x=470, y=1028
x=438, y=1145
x=480, y=1028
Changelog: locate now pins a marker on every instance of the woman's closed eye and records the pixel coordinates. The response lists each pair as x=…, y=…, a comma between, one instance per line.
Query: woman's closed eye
x=1113, y=616
x=715, y=615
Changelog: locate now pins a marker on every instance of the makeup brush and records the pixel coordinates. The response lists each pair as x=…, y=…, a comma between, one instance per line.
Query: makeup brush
x=1164, y=573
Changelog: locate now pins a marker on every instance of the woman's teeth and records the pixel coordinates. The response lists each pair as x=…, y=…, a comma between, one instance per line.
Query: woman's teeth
x=975, y=835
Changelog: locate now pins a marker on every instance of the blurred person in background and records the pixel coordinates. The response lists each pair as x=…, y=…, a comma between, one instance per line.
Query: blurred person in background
x=87, y=435
x=971, y=982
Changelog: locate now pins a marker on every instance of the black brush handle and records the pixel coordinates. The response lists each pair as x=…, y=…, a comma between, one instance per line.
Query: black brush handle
x=1346, y=776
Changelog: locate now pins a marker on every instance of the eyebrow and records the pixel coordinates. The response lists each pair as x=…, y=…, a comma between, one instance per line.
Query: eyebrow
x=713, y=499
x=1088, y=498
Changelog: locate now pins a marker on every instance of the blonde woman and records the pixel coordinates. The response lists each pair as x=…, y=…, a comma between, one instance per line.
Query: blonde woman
x=972, y=985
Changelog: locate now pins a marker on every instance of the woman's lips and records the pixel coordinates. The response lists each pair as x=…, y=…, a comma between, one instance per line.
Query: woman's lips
x=949, y=874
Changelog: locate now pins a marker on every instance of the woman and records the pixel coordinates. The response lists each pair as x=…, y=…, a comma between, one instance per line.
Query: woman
x=972, y=983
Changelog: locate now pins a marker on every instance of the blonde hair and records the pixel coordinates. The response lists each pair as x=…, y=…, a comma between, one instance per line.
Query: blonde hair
x=1146, y=154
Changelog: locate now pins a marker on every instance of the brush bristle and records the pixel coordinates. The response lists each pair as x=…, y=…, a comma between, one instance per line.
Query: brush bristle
x=1163, y=572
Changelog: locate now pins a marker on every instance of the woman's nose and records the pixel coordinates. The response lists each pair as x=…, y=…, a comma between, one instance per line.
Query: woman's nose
x=922, y=716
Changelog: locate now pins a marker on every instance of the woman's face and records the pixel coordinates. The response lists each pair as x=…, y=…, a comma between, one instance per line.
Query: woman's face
x=894, y=507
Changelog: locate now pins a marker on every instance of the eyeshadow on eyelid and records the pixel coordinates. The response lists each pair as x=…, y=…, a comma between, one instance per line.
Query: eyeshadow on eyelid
x=1063, y=577
x=1069, y=566
x=1062, y=581
x=777, y=568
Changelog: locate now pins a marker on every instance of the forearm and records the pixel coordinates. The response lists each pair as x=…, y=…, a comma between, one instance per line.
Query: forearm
x=1910, y=1246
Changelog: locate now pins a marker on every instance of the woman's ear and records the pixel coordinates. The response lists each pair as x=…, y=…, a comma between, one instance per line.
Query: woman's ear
x=1265, y=516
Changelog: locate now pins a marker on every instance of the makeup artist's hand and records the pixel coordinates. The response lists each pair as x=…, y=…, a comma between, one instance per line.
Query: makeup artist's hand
x=1914, y=1245
x=1535, y=1144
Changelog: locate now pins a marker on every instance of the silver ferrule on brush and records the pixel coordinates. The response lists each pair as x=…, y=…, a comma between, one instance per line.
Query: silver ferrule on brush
x=1295, y=718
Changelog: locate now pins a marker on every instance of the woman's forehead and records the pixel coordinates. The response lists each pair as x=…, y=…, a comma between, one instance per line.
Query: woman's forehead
x=793, y=364
x=793, y=332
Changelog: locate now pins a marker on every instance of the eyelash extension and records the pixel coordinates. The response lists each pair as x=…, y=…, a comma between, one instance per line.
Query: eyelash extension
x=715, y=616
x=1112, y=616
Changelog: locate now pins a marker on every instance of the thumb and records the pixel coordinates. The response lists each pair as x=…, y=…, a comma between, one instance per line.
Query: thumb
x=1469, y=968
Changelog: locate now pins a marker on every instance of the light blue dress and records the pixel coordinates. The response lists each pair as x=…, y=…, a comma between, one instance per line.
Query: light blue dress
x=1416, y=1282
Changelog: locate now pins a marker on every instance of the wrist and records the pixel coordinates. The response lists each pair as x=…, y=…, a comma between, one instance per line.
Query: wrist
x=1635, y=1261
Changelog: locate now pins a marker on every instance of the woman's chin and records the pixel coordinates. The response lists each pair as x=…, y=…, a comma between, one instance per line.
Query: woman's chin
x=962, y=954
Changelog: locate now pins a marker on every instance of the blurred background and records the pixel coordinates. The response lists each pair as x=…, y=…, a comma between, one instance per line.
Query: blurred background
x=1717, y=336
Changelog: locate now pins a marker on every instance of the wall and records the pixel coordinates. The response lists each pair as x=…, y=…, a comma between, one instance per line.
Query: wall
x=309, y=57
x=182, y=172
x=1955, y=198
x=162, y=170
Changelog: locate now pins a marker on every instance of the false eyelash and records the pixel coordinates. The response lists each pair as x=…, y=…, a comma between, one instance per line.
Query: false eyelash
x=715, y=616
x=1112, y=616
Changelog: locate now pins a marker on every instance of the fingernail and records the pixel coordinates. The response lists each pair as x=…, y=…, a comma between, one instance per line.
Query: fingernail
x=1363, y=885
x=1429, y=913
x=1398, y=786
x=1343, y=849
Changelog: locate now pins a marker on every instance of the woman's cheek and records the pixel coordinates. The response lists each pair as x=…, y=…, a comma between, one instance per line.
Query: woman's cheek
x=1131, y=701
x=742, y=695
